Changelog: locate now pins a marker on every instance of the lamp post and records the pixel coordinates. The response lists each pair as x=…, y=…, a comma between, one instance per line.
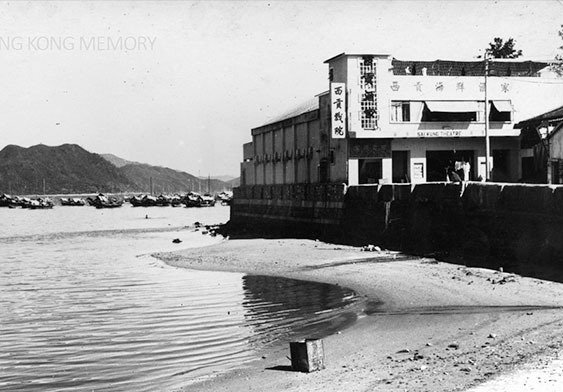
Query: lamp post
x=487, y=141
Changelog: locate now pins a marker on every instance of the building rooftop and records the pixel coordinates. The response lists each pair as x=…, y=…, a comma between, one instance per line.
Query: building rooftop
x=554, y=115
x=304, y=107
x=497, y=67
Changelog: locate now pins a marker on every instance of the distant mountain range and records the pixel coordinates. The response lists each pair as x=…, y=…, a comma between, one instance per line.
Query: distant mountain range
x=71, y=169
x=234, y=181
x=117, y=161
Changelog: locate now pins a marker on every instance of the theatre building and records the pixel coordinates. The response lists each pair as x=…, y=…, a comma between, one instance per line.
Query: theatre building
x=386, y=120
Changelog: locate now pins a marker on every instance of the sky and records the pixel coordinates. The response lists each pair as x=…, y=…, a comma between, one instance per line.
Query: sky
x=180, y=84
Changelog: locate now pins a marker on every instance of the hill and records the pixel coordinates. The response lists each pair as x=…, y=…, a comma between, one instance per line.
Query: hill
x=117, y=161
x=165, y=180
x=234, y=182
x=64, y=169
x=71, y=169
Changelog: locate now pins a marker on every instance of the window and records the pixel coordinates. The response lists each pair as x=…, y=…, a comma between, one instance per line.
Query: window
x=400, y=111
x=450, y=111
x=500, y=111
x=368, y=106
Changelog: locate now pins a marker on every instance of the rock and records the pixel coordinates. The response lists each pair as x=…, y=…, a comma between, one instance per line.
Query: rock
x=492, y=336
x=403, y=351
x=453, y=345
x=204, y=232
x=176, y=240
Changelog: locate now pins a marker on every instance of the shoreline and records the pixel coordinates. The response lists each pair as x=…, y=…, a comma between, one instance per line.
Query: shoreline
x=431, y=325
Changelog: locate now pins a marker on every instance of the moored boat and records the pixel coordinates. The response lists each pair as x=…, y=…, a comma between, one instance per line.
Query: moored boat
x=103, y=201
x=36, y=204
x=192, y=199
x=225, y=197
x=71, y=201
x=207, y=200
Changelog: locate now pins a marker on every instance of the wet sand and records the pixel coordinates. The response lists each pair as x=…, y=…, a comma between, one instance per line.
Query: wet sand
x=427, y=325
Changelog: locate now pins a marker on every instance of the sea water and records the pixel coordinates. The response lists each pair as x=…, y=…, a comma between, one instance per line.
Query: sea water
x=84, y=307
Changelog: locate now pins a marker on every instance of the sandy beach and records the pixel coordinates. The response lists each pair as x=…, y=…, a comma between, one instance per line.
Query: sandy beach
x=426, y=326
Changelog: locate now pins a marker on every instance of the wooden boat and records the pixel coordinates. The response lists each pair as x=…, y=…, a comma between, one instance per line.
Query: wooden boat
x=207, y=200
x=226, y=198
x=36, y=204
x=102, y=201
x=67, y=201
x=192, y=199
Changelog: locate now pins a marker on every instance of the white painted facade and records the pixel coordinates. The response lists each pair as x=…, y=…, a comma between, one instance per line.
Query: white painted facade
x=424, y=144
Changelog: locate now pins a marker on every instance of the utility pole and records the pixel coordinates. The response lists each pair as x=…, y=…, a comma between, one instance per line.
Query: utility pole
x=487, y=141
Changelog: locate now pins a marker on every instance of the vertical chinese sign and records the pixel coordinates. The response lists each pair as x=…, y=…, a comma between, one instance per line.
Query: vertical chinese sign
x=338, y=110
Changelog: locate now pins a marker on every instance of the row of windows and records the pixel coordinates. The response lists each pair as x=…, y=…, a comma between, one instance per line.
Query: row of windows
x=452, y=111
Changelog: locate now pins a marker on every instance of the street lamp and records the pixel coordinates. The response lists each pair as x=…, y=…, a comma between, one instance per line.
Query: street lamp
x=487, y=141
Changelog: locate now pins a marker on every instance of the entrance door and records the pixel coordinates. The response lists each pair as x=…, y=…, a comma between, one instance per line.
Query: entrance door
x=400, y=162
x=370, y=171
x=501, y=165
x=439, y=163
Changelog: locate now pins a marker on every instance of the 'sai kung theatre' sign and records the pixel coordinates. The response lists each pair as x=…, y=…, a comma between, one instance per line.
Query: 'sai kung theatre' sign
x=338, y=112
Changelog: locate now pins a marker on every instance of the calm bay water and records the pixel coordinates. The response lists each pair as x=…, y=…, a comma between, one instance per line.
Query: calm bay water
x=83, y=307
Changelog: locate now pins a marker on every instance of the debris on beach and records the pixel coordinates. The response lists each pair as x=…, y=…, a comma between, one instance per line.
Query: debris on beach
x=371, y=248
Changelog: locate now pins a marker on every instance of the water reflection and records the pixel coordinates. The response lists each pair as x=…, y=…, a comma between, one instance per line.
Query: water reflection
x=279, y=308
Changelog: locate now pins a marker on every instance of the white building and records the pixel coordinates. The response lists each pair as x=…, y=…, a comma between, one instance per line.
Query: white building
x=405, y=121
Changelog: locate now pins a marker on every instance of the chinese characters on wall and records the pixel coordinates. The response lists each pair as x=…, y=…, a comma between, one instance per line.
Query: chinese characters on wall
x=369, y=115
x=338, y=112
x=441, y=86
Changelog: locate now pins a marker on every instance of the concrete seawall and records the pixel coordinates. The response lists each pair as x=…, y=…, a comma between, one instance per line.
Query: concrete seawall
x=517, y=227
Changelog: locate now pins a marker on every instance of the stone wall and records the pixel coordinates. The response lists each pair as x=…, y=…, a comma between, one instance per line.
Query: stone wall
x=517, y=227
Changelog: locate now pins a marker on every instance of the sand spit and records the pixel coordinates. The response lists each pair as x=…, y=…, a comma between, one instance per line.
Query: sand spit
x=427, y=326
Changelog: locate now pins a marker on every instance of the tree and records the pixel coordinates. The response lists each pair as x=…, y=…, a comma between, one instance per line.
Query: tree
x=500, y=49
x=557, y=65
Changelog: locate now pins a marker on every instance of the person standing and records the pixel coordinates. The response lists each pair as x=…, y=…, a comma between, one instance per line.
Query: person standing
x=466, y=166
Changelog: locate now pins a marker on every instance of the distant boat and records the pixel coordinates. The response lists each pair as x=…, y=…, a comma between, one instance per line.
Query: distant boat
x=192, y=199
x=103, y=201
x=36, y=204
x=207, y=200
x=67, y=201
x=151, y=201
x=6, y=200
x=226, y=198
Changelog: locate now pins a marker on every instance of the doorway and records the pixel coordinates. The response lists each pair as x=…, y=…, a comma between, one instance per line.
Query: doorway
x=370, y=171
x=400, y=163
x=501, y=165
x=439, y=163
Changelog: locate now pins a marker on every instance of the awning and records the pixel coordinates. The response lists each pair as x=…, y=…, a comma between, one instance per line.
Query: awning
x=453, y=106
x=503, y=106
